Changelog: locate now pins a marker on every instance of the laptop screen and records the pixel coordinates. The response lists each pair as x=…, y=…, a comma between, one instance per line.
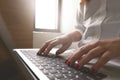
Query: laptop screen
x=5, y=35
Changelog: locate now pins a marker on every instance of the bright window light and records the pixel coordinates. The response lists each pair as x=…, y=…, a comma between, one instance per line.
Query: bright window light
x=68, y=19
x=46, y=14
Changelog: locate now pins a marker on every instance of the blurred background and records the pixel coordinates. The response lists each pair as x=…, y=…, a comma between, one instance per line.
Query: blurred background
x=26, y=24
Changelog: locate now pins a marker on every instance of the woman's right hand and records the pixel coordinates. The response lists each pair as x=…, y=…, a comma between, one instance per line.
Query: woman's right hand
x=64, y=40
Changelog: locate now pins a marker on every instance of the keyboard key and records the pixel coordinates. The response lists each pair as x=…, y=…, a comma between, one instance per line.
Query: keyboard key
x=59, y=76
x=51, y=76
x=52, y=71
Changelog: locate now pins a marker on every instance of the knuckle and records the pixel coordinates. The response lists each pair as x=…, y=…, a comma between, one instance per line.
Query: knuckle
x=51, y=44
x=97, y=42
x=105, y=58
x=82, y=48
x=92, y=53
x=54, y=43
x=59, y=40
x=47, y=42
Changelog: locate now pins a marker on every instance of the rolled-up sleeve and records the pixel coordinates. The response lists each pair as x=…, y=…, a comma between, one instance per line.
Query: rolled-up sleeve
x=79, y=22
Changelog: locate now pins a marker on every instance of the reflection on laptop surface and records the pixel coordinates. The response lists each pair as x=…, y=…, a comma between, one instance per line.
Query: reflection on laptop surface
x=54, y=68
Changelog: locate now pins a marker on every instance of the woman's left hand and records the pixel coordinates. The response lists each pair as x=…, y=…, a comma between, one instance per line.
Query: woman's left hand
x=105, y=50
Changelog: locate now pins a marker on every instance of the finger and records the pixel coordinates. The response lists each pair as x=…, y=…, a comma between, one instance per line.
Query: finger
x=80, y=52
x=50, y=46
x=44, y=46
x=101, y=61
x=62, y=49
x=90, y=55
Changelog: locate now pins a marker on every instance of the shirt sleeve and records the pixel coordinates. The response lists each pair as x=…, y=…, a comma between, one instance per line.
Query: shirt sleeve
x=79, y=21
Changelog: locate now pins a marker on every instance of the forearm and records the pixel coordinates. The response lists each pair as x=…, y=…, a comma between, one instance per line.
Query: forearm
x=117, y=41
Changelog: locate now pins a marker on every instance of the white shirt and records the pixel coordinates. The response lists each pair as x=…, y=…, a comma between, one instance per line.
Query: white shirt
x=99, y=19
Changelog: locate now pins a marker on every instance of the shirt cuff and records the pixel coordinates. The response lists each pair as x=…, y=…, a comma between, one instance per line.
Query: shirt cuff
x=80, y=28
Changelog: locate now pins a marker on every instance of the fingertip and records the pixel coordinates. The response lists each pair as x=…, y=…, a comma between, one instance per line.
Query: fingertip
x=76, y=66
x=57, y=53
x=45, y=53
x=100, y=63
x=38, y=53
x=97, y=65
x=66, y=61
x=93, y=69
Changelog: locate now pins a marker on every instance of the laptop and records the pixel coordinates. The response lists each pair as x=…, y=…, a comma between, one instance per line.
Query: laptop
x=34, y=67
x=53, y=67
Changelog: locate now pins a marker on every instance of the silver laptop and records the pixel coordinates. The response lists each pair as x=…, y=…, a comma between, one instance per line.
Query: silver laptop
x=52, y=67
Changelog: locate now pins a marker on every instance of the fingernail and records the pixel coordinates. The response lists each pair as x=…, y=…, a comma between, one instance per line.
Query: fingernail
x=57, y=53
x=93, y=69
x=66, y=61
x=38, y=53
x=45, y=53
x=76, y=66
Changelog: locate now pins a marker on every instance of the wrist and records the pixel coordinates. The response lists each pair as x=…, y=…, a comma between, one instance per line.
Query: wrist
x=74, y=36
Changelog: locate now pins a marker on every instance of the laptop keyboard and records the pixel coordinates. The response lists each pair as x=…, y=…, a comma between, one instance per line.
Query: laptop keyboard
x=55, y=68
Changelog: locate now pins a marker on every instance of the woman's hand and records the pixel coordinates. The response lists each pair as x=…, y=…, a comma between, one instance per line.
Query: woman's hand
x=105, y=50
x=64, y=40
